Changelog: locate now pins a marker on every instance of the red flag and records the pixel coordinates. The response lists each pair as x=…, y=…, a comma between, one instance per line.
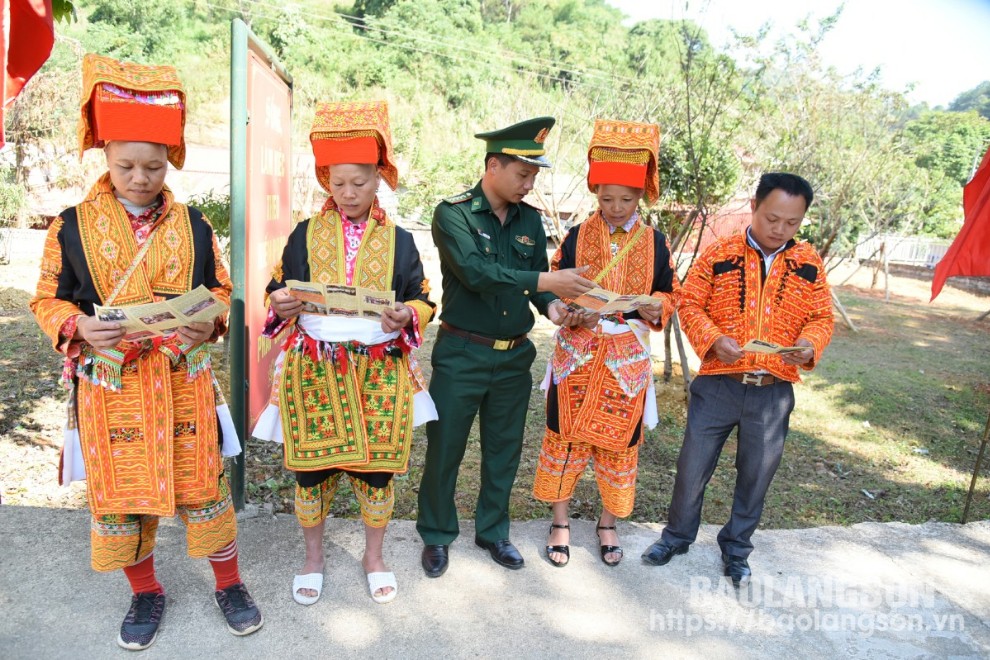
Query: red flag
x=27, y=34
x=969, y=253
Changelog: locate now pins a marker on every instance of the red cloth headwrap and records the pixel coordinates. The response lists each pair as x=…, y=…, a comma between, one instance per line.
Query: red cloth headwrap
x=353, y=150
x=622, y=174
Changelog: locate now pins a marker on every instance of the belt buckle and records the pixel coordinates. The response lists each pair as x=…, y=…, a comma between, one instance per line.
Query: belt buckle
x=502, y=344
x=752, y=379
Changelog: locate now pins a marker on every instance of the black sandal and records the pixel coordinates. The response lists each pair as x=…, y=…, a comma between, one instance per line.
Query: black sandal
x=560, y=549
x=607, y=549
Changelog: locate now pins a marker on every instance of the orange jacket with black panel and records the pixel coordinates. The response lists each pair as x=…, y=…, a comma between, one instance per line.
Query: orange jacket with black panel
x=727, y=293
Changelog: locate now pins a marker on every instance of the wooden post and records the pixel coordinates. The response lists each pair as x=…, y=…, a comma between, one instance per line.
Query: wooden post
x=976, y=471
x=668, y=362
x=886, y=272
x=842, y=311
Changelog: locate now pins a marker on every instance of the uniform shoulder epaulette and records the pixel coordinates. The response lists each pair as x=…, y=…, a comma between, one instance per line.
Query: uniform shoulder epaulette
x=457, y=199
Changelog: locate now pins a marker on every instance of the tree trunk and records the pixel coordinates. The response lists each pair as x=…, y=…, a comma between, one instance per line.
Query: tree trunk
x=685, y=369
x=668, y=362
x=842, y=310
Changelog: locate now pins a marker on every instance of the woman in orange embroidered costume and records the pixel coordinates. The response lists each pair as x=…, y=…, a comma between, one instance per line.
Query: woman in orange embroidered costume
x=599, y=381
x=143, y=425
x=347, y=391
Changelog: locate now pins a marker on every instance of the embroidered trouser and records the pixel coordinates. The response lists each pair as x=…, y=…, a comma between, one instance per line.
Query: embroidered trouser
x=124, y=539
x=315, y=491
x=562, y=463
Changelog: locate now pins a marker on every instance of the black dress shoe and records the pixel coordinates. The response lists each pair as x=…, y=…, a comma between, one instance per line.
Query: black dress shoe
x=503, y=552
x=736, y=568
x=662, y=552
x=435, y=560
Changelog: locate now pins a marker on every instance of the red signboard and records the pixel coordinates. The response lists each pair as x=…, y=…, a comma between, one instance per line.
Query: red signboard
x=268, y=213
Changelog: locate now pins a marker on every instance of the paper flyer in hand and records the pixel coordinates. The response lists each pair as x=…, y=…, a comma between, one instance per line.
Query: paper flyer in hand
x=340, y=300
x=162, y=318
x=605, y=302
x=760, y=346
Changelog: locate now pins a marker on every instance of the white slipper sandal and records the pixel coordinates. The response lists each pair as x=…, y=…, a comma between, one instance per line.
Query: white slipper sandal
x=380, y=580
x=312, y=581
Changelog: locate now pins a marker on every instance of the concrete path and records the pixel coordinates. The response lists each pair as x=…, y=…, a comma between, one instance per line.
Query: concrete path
x=867, y=591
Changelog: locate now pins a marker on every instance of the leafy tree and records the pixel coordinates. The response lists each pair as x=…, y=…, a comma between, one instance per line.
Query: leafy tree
x=977, y=99
x=13, y=197
x=137, y=30
x=371, y=7
x=842, y=133
x=41, y=122
x=948, y=142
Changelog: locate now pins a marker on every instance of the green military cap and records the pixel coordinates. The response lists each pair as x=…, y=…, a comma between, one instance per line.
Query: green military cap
x=524, y=140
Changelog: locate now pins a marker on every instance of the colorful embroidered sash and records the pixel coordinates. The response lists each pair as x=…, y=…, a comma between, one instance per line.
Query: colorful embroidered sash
x=325, y=246
x=633, y=274
x=110, y=247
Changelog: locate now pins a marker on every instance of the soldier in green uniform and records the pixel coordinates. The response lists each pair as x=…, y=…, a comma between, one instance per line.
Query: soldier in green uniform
x=493, y=258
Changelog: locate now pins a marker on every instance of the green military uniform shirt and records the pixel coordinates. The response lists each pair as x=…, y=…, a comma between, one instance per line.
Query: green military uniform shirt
x=490, y=270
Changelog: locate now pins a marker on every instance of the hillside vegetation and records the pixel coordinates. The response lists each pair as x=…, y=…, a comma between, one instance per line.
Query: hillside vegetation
x=450, y=68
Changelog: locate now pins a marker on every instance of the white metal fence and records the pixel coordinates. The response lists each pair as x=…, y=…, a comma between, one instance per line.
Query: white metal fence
x=913, y=250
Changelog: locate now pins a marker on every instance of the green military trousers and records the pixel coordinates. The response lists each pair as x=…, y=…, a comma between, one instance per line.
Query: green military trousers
x=472, y=379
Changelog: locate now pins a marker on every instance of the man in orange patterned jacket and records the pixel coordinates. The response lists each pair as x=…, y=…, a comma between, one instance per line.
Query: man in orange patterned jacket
x=760, y=285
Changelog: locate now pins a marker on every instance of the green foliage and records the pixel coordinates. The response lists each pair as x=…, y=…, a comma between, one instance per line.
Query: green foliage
x=655, y=48
x=215, y=205
x=371, y=7
x=946, y=148
x=951, y=143
x=63, y=11
x=137, y=30
x=977, y=99
x=13, y=197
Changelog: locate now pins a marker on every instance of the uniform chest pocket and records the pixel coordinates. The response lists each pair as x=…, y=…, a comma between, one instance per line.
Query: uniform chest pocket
x=522, y=255
x=486, y=246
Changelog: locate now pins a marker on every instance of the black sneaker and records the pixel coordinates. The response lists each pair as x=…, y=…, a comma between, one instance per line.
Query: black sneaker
x=140, y=626
x=243, y=616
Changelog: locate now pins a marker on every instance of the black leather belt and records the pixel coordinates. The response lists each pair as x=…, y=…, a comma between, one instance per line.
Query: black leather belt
x=759, y=380
x=497, y=344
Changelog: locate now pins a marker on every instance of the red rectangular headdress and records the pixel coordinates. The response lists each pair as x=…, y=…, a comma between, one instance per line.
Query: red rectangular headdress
x=133, y=102
x=353, y=132
x=625, y=153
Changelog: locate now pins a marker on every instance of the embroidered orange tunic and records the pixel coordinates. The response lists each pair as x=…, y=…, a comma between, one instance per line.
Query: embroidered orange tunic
x=602, y=377
x=723, y=295
x=153, y=443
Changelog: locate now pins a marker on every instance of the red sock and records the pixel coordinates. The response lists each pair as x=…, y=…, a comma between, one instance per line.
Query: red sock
x=142, y=576
x=224, y=563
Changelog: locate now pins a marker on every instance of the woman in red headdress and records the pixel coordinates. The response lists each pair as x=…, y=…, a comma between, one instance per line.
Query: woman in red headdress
x=144, y=425
x=347, y=391
x=599, y=382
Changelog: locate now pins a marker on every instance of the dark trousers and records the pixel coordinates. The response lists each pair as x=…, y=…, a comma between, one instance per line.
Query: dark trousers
x=760, y=416
x=473, y=380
